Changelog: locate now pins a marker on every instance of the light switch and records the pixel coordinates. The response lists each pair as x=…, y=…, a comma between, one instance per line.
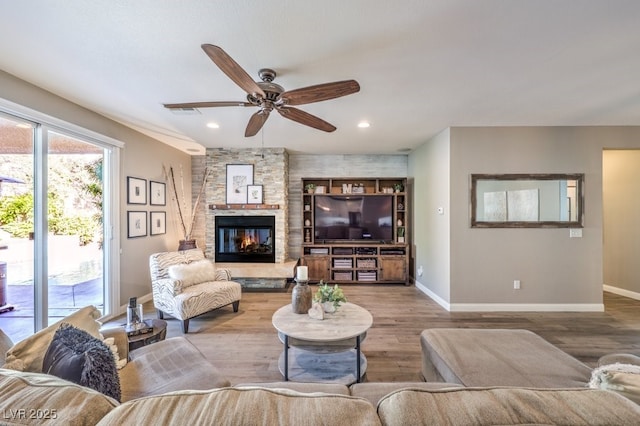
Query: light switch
x=575, y=233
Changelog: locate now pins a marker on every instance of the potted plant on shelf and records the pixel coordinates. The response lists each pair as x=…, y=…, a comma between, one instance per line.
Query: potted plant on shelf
x=398, y=187
x=310, y=187
x=187, y=227
x=401, y=234
x=329, y=297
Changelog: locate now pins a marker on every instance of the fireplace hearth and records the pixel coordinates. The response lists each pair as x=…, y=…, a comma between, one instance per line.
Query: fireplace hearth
x=245, y=239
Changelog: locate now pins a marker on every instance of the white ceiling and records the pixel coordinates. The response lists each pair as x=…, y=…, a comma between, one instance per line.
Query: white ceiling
x=423, y=65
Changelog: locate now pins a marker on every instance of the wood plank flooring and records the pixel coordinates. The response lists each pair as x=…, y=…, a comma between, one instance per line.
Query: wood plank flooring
x=244, y=345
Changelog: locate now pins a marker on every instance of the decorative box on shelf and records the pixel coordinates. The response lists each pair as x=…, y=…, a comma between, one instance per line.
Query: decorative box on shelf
x=342, y=276
x=367, y=276
x=366, y=263
x=342, y=263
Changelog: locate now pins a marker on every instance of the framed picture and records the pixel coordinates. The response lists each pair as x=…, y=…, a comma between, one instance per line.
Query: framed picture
x=158, y=223
x=136, y=190
x=254, y=194
x=136, y=224
x=158, y=191
x=238, y=177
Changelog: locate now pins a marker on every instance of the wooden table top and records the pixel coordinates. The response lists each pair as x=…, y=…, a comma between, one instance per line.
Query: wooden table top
x=348, y=321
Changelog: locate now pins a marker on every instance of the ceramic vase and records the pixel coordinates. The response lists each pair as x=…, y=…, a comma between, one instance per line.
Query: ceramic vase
x=329, y=307
x=301, y=297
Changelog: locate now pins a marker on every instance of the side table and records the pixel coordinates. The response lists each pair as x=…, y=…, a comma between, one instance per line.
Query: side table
x=159, y=333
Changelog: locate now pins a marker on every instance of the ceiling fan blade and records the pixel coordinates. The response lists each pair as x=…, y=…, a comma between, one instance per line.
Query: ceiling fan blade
x=256, y=122
x=207, y=105
x=231, y=68
x=320, y=92
x=306, y=119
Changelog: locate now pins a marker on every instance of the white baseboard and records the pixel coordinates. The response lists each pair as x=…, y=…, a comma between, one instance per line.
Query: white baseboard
x=621, y=292
x=440, y=301
x=511, y=307
x=527, y=307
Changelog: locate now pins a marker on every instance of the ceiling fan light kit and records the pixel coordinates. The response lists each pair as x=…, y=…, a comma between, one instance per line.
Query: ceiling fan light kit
x=268, y=96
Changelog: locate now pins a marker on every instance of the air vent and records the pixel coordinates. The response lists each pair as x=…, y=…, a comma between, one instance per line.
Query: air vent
x=185, y=111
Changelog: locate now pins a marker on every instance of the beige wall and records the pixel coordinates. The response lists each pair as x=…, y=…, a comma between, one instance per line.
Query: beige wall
x=141, y=157
x=556, y=272
x=621, y=198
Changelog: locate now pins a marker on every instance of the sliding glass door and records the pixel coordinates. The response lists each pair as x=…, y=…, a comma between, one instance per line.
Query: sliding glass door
x=54, y=209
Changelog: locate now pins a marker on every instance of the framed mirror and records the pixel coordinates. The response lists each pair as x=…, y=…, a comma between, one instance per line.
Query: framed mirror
x=527, y=200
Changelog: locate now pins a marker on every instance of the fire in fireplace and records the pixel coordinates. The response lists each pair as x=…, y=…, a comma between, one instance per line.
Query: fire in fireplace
x=245, y=239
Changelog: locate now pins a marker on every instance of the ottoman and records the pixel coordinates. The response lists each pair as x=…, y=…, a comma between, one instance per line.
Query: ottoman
x=474, y=357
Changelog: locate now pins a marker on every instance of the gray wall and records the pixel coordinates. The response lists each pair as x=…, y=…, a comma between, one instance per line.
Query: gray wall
x=429, y=171
x=141, y=157
x=556, y=272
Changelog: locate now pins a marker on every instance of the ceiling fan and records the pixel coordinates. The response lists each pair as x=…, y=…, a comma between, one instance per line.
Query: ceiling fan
x=269, y=96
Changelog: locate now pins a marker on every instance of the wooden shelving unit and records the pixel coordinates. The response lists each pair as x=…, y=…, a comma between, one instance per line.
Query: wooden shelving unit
x=363, y=261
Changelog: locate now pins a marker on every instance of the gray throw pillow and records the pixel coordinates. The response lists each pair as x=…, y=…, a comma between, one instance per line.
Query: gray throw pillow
x=78, y=357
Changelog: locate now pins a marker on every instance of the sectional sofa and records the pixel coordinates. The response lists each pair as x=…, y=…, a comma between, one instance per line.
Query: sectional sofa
x=170, y=382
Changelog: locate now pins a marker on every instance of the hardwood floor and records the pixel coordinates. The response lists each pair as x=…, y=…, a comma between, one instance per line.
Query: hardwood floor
x=244, y=345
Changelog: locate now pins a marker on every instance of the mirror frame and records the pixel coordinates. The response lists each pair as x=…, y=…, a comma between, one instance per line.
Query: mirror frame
x=578, y=177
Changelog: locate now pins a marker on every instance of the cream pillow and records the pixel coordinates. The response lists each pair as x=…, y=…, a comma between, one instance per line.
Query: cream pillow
x=621, y=378
x=193, y=273
x=27, y=354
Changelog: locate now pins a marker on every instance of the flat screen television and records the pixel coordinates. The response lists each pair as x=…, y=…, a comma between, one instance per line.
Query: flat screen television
x=353, y=218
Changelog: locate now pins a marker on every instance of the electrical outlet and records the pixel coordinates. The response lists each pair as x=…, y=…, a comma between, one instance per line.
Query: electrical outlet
x=516, y=284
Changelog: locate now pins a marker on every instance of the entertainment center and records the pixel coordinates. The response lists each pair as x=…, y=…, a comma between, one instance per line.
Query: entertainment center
x=354, y=230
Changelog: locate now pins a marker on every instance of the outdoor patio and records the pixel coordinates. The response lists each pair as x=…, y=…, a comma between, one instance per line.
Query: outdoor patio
x=75, y=280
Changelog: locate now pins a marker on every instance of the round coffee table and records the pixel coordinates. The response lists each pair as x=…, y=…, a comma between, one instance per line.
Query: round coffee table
x=321, y=349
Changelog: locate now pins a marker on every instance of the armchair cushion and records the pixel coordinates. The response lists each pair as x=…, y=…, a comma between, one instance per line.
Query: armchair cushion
x=192, y=273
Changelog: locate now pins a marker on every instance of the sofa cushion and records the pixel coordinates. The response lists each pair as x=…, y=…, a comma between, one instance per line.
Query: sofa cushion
x=245, y=406
x=27, y=354
x=5, y=344
x=188, y=274
x=36, y=398
x=374, y=391
x=498, y=357
x=77, y=356
x=502, y=406
x=621, y=378
x=170, y=365
x=330, y=388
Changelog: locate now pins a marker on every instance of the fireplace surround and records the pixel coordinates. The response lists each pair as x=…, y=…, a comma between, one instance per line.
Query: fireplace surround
x=245, y=239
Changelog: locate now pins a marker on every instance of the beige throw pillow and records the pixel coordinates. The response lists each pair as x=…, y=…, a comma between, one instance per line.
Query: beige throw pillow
x=27, y=355
x=193, y=273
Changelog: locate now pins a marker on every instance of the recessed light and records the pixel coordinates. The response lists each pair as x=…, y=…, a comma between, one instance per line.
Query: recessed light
x=363, y=124
x=213, y=125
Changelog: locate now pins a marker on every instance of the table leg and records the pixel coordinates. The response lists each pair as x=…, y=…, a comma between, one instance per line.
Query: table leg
x=358, y=359
x=286, y=358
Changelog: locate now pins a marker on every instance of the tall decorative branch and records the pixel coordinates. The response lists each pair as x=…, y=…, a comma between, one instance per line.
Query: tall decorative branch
x=170, y=176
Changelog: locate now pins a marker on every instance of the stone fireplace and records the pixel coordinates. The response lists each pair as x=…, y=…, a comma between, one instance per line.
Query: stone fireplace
x=245, y=239
x=247, y=264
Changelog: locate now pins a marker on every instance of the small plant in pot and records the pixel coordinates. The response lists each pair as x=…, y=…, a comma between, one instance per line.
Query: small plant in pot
x=310, y=187
x=330, y=297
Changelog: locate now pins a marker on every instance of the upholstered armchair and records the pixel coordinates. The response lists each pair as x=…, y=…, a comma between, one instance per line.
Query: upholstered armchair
x=185, y=284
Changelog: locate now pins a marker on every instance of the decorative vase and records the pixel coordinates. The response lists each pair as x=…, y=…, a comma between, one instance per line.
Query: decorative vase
x=329, y=307
x=186, y=245
x=301, y=297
